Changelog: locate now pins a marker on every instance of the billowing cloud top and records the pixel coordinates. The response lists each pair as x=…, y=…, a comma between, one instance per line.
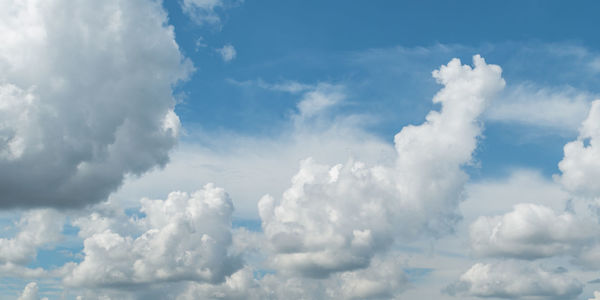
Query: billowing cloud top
x=86, y=98
x=336, y=218
x=581, y=163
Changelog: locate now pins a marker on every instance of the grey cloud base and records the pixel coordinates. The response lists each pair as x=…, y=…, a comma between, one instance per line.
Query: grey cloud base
x=86, y=98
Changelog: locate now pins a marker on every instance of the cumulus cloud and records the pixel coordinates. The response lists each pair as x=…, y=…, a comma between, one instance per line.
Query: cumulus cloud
x=334, y=219
x=531, y=231
x=580, y=165
x=596, y=296
x=31, y=292
x=515, y=281
x=186, y=238
x=227, y=53
x=86, y=97
x=37, y=228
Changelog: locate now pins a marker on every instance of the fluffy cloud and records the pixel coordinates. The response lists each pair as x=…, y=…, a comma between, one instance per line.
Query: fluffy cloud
x=36, y=228
x=515, y=281
x=31, y=292
x=186, y=238
x=596, y=296
x=531, y=231
x=580, y=165
x=86, y=97
x=227, y=53
x=336, y=218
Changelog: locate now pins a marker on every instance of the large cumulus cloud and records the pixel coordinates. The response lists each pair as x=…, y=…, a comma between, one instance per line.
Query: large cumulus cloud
x=85, y=97
x=335, y=219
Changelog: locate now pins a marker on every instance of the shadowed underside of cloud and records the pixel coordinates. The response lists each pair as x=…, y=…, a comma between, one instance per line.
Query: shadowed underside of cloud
x=86, y=98
x=336, y=218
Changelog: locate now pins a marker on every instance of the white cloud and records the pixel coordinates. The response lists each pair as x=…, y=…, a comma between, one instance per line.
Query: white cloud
x=496, y=196
x=531, y=231
x=227, y=53
x=31, y=292
x=200, y=43
x=248, y=166
x=289, y=86
x=37, y=228
x=186, y=238
x=580, y=165
x=335, y=219
x=317, y=100
x=561, y=109
x=515, y=281
x=207, y=11
x=596, y=296
x=86, y=97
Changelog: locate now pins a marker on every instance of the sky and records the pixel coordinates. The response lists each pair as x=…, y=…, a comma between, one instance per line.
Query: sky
x=242, y=149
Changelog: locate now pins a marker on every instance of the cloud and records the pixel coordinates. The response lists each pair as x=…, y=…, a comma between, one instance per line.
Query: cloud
x=596, y=296
x=37, y=228
x=580, y=165
x=562, y=109
x=227, y=53
x=31, y=292
x=334, y=219
x=247, y=166
x=289, y=86
x=317, y=100
x=495, y=196
x=531, y=231
x=184, y=238
x=515, y=281
x=86, y=98
x=384, y=279
x=207, y=11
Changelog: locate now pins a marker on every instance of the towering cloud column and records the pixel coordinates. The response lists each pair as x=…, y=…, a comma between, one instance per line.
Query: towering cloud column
x=335, y=219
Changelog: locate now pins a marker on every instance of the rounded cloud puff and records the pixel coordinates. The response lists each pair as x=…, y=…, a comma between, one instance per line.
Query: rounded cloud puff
x=185, y=238
x=580, y=165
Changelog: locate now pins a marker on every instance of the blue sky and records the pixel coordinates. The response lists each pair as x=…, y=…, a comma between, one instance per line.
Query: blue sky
x=109, y=145
x=382, y=51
